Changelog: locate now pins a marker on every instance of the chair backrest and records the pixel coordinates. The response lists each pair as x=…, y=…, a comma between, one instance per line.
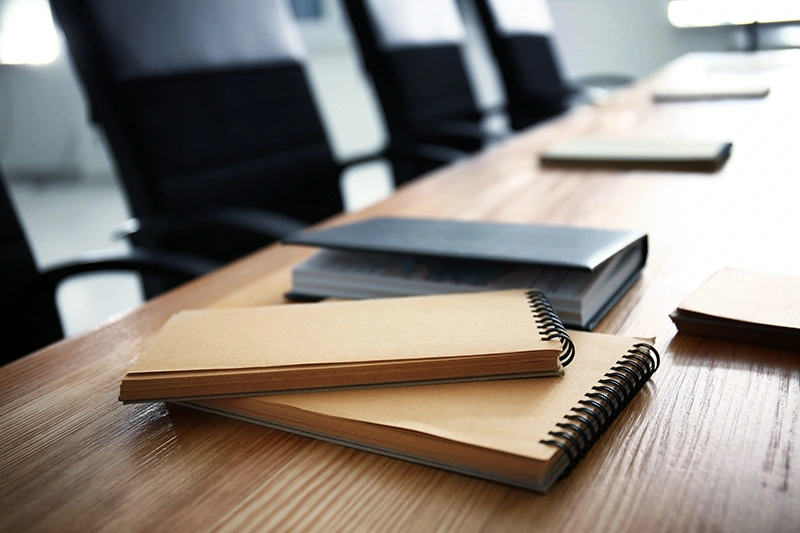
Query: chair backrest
x=205, y=103
x=521, y=37
x=413, y=52
x=30, y=319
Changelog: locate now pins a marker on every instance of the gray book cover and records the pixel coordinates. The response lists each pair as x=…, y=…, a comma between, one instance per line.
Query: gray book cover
x=539, y=245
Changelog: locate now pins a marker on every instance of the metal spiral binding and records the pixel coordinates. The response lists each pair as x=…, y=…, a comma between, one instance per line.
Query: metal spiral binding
x=550, y=326
x=599, y=408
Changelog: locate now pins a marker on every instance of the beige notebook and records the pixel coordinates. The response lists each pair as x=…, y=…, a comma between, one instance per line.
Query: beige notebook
x=354, y=343
x=710, y=92
x=742, y=305
x=524, y=432
x=665, y=154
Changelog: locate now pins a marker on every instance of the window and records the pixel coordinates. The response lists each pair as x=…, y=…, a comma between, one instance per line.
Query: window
x=27, y=33
x=700, y=13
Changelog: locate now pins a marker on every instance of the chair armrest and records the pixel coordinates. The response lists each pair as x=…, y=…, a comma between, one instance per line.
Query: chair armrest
x=415, y=151
x=412, y=151
x=461, y=129
x=497, y=109
x=270, y=225
x=604, y=81
x=143, y=261
x=442, y=132
x=361, y=159
x=595, y=88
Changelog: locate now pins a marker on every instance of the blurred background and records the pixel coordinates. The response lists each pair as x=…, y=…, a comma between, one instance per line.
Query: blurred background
x=62, y=177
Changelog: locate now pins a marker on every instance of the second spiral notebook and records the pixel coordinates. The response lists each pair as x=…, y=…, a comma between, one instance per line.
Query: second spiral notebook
x=523, y=432
x=209, y=353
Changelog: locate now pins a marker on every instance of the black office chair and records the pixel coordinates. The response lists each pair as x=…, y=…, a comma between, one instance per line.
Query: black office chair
x=413, y=53
x=520, y=34
x=30, y=318
x=207, y=109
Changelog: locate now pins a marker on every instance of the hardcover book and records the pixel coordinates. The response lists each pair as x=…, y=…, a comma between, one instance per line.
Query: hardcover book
x=582, y=271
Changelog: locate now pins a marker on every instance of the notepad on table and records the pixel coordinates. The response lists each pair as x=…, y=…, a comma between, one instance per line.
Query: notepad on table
x=715, y=91
x=658, y=154
x=741, y=305
x=260, y=350
x=523, y=432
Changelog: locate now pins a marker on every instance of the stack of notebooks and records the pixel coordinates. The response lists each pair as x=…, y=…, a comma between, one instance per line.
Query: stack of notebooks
x=488, y=384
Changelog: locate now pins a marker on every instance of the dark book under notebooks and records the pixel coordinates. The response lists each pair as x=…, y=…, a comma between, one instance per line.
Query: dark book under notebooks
x=583, y=271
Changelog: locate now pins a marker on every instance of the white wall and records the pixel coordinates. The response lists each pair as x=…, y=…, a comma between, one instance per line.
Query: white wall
x=625, y=36
x=44, y=123
x=43, y=120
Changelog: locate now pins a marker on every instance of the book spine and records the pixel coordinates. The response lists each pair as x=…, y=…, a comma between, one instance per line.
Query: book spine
x=550, y=326
x=587, y=421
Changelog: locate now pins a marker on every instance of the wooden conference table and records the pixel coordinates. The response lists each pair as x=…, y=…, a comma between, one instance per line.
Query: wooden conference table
x=712, y=443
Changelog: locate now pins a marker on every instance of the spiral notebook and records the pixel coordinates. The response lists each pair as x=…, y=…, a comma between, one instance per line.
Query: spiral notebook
x=522, y=432
x=345, y=344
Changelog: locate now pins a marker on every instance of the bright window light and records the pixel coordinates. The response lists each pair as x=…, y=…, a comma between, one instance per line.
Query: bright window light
x=701, y=13
x=27, y=33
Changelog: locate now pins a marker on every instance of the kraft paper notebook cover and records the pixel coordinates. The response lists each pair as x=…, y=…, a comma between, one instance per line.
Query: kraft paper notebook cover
x=657, y=154
x=523, y=432
x=583, y=271
x=344, y=344
x=747, y=306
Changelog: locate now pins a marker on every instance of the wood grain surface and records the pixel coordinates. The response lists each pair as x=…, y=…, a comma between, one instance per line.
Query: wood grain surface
x=710, y=444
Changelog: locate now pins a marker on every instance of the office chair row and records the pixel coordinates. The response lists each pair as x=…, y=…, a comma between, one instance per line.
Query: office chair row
x=214, y=130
